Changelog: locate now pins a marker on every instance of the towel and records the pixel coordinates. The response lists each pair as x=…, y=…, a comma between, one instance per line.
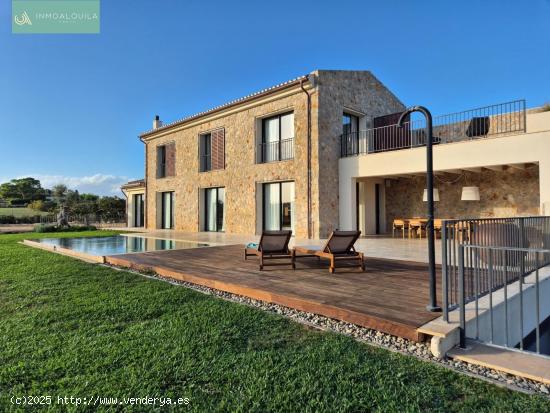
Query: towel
x=253, y=245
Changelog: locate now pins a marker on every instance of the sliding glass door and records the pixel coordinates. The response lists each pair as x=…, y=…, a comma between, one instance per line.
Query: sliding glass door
x=214, y=216
x=278, y=206
x=167, y=210
x=138, y=210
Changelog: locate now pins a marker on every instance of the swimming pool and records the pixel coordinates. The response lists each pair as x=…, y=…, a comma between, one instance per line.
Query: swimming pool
x=118, y=244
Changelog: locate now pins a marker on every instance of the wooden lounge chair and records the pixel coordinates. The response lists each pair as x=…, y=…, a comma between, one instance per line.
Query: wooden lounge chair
x=339, y=247
x=273, y=245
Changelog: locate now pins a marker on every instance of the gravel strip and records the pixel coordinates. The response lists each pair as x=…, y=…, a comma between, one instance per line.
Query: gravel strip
x=367, y=335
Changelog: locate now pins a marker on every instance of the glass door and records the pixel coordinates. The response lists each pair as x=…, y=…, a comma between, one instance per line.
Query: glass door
x=167, y=219
x=138, y=210
x=278, y=206
x=214, y=214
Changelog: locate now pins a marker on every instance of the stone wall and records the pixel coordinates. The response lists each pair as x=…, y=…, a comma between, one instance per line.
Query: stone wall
x=358, y=91
x=241, y=175
x=511, y=192
x=335, y=91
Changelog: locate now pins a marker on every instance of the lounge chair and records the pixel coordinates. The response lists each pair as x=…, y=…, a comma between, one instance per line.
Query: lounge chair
x=339, y=247
x=273, y=245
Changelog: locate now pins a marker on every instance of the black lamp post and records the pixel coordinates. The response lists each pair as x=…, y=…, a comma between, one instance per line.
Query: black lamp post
x=432, y=306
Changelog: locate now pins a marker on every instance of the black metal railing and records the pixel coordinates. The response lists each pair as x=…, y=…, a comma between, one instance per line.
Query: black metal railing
x=517, y=232
x=482, y=270
x=281, y=150
x=479, y=123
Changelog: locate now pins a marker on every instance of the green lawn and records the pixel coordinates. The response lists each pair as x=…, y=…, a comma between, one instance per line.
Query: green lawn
x=69, y=328
x=21, y=212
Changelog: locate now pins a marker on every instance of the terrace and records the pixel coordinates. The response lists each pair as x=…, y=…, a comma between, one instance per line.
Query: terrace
x=489, y=121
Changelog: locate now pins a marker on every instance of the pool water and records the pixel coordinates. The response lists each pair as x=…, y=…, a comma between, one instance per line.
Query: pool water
x=118, y=244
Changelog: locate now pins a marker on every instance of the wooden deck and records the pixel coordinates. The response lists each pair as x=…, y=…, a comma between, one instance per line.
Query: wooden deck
x=390, y=296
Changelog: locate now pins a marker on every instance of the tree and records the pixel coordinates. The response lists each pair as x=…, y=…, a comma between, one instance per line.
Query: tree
x=37, y=205
x=111, y=207
x=22, y=190
x=89, y=197
x=59, y=192
x=72, y=197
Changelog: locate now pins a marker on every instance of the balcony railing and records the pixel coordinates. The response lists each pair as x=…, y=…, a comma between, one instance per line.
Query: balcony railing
x=515, y=232
x=494, y=120
x=276, y=151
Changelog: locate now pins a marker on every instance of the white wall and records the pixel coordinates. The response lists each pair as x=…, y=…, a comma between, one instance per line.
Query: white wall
x=367, y=206
x=516, y=149
x=513, y=313
x=130, y=205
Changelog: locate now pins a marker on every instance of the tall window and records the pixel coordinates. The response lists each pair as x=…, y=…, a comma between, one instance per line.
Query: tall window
x=166, y=160
x=212, y=150
x=214, y=216
x=167, y=210
x=350, y=124
x=278, y=206
x=277, y=138
x=138, y=210
x=161, y=161
x=350, y=134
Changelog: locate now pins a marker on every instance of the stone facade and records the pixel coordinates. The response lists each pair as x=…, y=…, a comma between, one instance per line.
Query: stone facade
x=507, y=193
x=332, y=93
x=356, y=92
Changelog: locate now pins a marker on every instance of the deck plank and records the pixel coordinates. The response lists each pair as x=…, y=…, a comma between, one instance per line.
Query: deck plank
x=389, y=296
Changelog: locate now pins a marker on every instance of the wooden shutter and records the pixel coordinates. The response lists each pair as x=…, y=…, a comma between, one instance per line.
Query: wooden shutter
x=171, y=159
x=218, y=149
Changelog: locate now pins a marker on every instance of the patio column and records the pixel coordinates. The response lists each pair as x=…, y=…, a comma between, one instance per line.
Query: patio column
x=347, y=204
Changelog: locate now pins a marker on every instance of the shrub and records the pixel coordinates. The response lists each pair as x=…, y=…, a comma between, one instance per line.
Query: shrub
x=37, y=205
x=10, y=219
x=54, y=228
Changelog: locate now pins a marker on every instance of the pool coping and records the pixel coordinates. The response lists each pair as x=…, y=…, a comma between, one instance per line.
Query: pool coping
x=100, y=259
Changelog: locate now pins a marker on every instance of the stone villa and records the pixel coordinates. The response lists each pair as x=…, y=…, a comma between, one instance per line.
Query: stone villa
x=322, y=151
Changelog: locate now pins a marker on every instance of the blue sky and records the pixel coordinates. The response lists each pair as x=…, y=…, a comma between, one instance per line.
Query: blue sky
x=72, y=105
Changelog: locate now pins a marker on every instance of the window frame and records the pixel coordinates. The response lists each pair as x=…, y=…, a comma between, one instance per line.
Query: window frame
x=216, y=189
x=281, y=214
x=279, y=140
x=138, y=217
x=203, y=138
x=161, y=163
x=172, y=210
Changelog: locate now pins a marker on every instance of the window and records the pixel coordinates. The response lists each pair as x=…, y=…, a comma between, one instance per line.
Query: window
x=278, y=206
x=214, y=216
x=138, y=210
x=167, y=210
x=350, y=124
x=277, y=138
x=212, y=150
x=166, y=160
x=161, y=161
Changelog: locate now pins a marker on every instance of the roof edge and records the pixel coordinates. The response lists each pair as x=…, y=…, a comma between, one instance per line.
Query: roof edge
x=230, y=104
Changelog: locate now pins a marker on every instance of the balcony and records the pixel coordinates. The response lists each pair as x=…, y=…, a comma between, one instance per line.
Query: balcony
x=489, y=121
x=281, y=150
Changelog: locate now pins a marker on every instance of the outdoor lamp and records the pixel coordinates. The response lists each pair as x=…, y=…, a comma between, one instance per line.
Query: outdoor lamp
x=470, y=193
x=436, y=195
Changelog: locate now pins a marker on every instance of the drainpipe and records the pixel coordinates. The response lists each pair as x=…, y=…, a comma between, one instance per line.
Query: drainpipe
x=309, y=220
x=146, y=191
